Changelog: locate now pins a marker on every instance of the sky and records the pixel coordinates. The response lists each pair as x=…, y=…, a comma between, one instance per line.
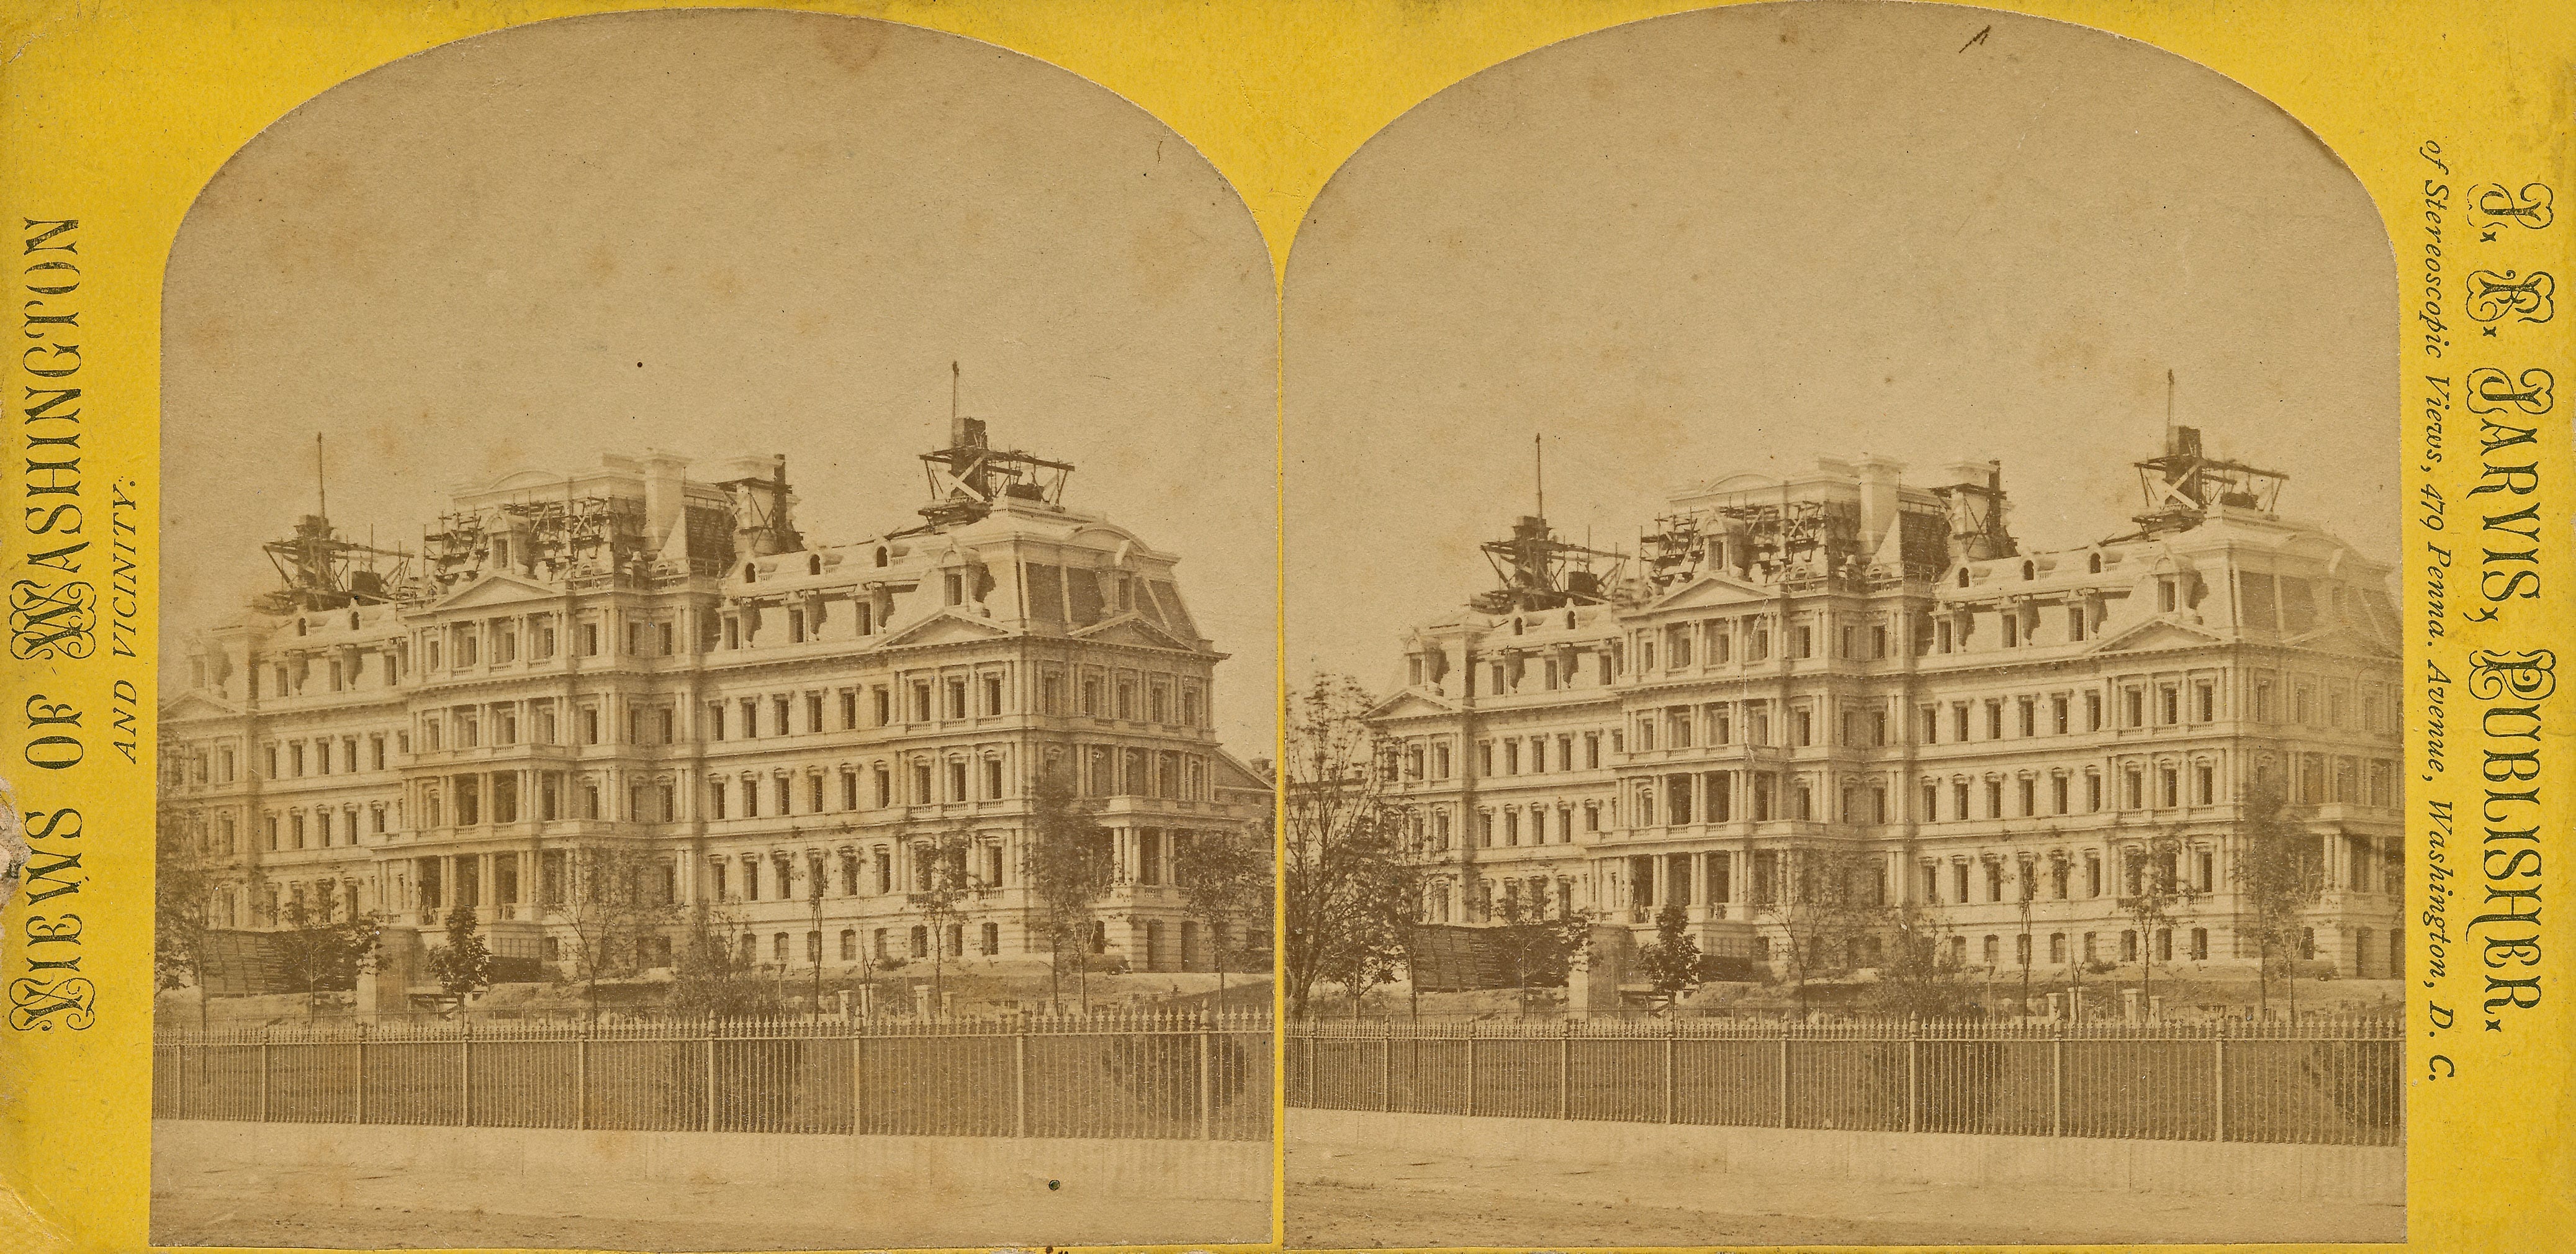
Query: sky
x=1737, y=240
x=722, y=234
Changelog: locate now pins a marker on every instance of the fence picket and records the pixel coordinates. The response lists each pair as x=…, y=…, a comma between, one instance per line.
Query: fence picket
x=2312, y=1081
x=1149, y=1075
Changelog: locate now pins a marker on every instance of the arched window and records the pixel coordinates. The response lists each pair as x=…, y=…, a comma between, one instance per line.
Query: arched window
x=2095, y=563
x=814, y=564
x=1963, y=576
x=881, y=555
x=747, y=572
x=2029, y=571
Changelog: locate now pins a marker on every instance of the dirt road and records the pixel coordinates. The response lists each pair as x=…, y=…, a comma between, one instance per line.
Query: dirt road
x=1358, y=1196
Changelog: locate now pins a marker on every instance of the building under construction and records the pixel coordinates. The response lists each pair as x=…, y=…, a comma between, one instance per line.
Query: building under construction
x=834, y=747
x=1845, y=674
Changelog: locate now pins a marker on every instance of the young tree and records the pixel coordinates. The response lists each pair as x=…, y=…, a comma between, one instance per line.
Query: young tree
x=184, y=879
x=1354, y=884
x=617, y=906
x=714, y=978
x=944, y=884
x=1535, y=948
x=2279, y=875
x=2025, y=891
x=2154, y=893
x=1068, y=866
x=1227, y=880
x=818, y=876
x=1826, y=902
x=1671, y=962
x=463, y=966
x=1923, y=975
x=318, y=954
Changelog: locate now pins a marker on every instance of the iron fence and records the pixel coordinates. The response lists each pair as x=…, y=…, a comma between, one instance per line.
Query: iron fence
x=1146, y=1076
x=2331, y=1082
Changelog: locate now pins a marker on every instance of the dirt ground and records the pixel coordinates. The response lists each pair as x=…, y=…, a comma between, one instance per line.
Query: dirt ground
x=1354, y=1196
x=236, y=1204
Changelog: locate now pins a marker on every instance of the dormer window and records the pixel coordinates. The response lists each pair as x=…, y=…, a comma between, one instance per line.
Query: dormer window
x=1963, y=576
x=814, y=564
x=748, y=572
x=500, y=552
x=2029, y=571
x=881, y=555
x=953, y=584
x=2095, y=564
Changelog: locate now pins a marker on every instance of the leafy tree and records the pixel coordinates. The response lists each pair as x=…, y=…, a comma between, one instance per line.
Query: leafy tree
x=463, y=966
x=2279, y=874
x=316, y=955
x=1671, y=962
x=1923, y=974
x=2154, y=894
x=1227, y=880
x=617, y=909
x=1535, y=948
x=713, y=978
x=1354, y=885
x=184, y=882
x=1068, y=866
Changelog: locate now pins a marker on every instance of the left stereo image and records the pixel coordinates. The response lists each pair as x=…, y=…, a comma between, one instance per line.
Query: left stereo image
x=717, y=672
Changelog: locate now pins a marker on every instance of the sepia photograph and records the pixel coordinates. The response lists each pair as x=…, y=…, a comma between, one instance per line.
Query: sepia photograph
x=718, y=657
x=1844, y=666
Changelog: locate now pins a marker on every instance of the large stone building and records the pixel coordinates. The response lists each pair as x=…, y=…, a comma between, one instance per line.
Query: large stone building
x=1843, y=665
x=634, y=659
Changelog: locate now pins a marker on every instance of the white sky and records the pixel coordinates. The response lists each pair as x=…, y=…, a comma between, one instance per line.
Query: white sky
x=1738, y=239
x=724, y=234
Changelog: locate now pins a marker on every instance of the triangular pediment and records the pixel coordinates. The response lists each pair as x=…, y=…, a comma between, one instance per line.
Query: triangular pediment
x=1413, y=703
x=941, y=628
x=1231, y=772
x=1132, y=629
x=2341, y=639
x=1710, y=591
x=2162, y=633
x=503, y=588
x=196, y=704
